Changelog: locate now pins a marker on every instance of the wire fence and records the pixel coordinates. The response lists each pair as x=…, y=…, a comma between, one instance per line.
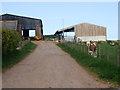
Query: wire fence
x=109, y=53
x=104, y=51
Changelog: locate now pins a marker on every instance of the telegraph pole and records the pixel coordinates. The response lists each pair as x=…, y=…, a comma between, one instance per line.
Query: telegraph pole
x=63, y=29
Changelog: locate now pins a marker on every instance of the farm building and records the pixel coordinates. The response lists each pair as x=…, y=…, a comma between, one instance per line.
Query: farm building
x=22, y=24
x=82, y=32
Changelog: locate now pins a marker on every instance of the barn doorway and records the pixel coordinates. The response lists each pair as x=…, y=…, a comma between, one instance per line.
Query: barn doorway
x=31, y=33
x=25, y=34
x=28, y=33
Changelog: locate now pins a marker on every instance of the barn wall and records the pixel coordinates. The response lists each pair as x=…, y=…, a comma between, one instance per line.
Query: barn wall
x=91, y=38
x=9, y=24
x=89, y=32
x=69, y=36
x=38, y=31
x=22, y=23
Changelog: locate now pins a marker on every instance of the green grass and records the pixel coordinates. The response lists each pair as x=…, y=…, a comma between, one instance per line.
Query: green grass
x=48, y=39
x=105, y=70
x=14, y=57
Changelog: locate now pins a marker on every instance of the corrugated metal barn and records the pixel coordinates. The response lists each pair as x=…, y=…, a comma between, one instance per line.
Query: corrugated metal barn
x=83, y=32
x=21, y=23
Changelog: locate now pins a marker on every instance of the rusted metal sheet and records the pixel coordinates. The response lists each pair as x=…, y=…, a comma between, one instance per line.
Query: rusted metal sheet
x=9, y=24
x=38, y=31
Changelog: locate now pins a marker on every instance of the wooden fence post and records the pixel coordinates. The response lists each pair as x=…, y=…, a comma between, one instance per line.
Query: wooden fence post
x=99, y=52
x=118, y=56
x=85, y=48
x=81, y=48
x=107, y=54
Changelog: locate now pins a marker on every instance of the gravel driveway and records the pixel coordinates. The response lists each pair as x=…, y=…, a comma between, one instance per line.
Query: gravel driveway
x=49, y=67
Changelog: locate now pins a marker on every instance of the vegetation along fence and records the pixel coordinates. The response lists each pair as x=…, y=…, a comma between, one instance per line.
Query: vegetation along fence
x=22, y=43
x=104, y=51
x=108, y=52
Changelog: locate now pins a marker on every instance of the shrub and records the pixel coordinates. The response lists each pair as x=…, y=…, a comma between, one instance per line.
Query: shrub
x=10, y=40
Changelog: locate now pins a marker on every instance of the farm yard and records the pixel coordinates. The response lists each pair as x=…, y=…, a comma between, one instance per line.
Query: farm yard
x=19, y=53
x=24, y=64
x=25, y=59
x=53, y=68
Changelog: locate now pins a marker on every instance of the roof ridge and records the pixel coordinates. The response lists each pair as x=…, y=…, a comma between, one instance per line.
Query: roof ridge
x=20, y=16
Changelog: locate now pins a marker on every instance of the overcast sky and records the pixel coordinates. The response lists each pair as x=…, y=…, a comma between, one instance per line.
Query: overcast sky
x=52, y=14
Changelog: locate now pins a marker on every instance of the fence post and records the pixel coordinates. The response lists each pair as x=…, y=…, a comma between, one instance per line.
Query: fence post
x=87, y=49
x=118, y=56
x=84, y=48
x=81, y=48
x=99, y=54
x=98, y=51
x=107, y=54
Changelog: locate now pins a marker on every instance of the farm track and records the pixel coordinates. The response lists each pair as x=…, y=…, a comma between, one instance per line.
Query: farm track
x=48, y=66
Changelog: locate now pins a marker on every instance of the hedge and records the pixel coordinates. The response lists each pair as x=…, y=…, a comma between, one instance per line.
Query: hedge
x=10, y=40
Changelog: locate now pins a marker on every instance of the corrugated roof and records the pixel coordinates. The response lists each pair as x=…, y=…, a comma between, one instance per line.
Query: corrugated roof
x=19, y=16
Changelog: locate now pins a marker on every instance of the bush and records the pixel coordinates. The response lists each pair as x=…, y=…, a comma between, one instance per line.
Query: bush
x=10, y=40
x=8, y=60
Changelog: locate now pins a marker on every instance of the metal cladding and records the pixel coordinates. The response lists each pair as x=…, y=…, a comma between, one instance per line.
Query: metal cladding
x=86, y=29
x=9, y=24
x=38, y=31
x=23, y=23
x=86, y=32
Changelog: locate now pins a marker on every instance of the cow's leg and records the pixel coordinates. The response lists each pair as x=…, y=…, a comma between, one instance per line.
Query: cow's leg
x=90, y=52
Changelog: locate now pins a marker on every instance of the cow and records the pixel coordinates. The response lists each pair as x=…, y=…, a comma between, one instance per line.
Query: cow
x=92, y=48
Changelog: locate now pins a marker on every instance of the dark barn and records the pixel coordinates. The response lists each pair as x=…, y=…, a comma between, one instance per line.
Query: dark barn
x=21, y=23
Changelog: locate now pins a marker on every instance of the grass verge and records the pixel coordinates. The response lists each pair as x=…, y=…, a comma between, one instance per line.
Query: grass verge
x=14, y=57
x=102, y=68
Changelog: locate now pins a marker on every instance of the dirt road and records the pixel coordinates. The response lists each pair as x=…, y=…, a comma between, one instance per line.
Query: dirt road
x=49, y=66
